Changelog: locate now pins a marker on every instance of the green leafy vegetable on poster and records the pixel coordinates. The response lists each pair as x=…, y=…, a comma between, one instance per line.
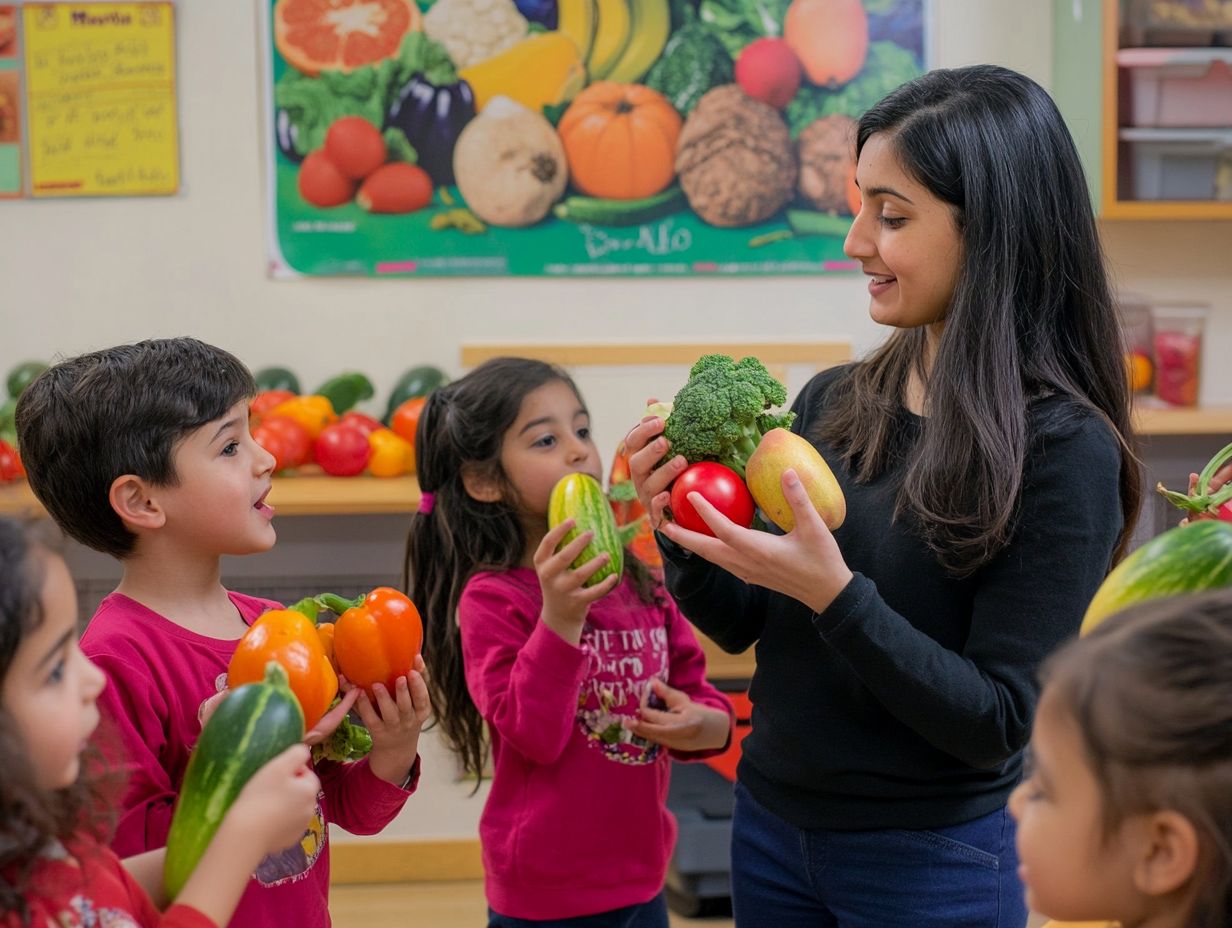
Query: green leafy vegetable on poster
x=887, y=66
x=739, y=22
x=314, y=102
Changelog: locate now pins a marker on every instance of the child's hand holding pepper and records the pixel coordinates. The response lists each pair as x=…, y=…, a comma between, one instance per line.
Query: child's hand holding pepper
x=394, y=720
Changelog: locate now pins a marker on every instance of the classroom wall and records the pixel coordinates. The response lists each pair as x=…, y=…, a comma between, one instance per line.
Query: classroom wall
x=77, y=275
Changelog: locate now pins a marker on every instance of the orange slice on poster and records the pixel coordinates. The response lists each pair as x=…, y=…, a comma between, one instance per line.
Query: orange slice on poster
x=341, y=35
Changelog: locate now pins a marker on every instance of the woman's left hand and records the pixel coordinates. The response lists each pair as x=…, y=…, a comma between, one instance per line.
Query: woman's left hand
x=805, y=564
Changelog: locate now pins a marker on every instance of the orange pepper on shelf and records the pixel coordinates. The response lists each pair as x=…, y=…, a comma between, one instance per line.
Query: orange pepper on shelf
x=290, y=638
x=392, y=455
x=312, y=412
x=377, y=638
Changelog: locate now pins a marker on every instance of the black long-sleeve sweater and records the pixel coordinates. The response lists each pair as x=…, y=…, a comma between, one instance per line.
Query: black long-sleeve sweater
x=907, y=702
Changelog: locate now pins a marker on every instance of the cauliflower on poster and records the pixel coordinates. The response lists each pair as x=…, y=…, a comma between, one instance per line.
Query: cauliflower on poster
x=474, y=30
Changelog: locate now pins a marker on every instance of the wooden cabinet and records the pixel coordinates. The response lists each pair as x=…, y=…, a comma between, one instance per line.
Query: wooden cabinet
x=1092, y=95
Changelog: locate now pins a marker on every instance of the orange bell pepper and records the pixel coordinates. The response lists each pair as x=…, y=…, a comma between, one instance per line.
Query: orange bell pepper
x=290, y=638
x=312, y=412
x=392, y=455
x=377, y=638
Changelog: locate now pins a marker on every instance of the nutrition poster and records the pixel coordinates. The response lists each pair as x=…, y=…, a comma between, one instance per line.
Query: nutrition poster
x=101, y=101
x=573, y=137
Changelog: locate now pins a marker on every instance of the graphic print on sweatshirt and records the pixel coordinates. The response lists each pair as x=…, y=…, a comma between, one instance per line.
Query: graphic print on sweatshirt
x=621, y=665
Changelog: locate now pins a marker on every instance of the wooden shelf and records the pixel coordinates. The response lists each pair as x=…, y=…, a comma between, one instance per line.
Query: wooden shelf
x=314, y=495
x=1211, y=420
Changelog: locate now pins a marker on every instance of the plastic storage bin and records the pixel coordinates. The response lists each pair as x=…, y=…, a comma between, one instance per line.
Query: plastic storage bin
x=1178, y=86
x=1178, y=351
x=1177, y=22
x=1177, y=164
x=1135, y=314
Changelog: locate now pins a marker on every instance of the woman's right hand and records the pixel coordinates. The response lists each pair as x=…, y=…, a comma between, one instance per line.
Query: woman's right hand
x=276, y=805
x=646, y=447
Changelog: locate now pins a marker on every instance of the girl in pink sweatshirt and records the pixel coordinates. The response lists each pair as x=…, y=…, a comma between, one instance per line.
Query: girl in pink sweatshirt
x=55, y=866
x=581, y=693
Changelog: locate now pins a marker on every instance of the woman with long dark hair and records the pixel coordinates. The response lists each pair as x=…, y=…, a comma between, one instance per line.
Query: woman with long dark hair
x=986, y=457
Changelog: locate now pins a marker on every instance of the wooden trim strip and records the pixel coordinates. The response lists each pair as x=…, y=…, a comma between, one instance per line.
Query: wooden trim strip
x=413, y=860
x=632, y=353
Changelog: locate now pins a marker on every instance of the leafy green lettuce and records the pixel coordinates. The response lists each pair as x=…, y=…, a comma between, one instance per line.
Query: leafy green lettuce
x=739, y=22
x=887, y=66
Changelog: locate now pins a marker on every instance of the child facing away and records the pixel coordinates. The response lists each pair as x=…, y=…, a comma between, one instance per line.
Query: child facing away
x=54, y=867
x=143, y=452
x=564, y=676
x=1127, y=810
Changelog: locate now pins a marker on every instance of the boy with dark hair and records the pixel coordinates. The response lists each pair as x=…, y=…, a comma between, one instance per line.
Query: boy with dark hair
x=143, y=452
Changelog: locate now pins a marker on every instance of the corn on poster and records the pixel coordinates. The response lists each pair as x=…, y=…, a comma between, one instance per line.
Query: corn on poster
x=573, y=137
x=101, y=108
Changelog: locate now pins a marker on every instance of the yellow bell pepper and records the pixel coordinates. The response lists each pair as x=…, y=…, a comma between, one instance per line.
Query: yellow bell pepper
x=543, y=70
x=392, y=455
x=312, y=412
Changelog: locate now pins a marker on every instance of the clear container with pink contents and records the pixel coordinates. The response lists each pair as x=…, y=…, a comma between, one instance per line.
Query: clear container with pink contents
x=1178, y=351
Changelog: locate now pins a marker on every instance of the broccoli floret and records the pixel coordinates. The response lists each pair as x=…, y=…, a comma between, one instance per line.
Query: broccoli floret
x=721, y=413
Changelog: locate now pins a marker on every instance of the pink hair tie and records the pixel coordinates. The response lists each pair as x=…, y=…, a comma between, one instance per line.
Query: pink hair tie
x=426, y=501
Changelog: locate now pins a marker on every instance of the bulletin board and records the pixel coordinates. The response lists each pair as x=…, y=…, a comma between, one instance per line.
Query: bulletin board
x=100, y=99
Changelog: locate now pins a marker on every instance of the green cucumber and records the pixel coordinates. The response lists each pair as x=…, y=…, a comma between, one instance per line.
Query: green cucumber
x=601, y=212
x=581, y=498
x=811, y=222
x=1187, y=559
x=416, y=381
x=276, y=378
x=253, y=724
x=22, y=375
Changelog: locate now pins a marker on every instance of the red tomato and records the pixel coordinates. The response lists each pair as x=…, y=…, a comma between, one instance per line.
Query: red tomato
x=405, y=420
x=266, y=400
x=363, y=422
x=284, y=438
x=10, y=463
x=342, y=450
x=720, y=486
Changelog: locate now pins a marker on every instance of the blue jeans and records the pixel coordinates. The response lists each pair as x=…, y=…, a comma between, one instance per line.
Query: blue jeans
x=652, y=914
x=962, y=876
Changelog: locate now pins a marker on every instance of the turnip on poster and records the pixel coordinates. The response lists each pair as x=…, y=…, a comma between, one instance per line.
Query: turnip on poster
x=573, y=137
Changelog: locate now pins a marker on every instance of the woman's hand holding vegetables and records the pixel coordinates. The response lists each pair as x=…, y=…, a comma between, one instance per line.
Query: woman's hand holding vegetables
x=805, y=564
x=646, y=446
x=682, y=725
x=394, y=722
x=566, y=599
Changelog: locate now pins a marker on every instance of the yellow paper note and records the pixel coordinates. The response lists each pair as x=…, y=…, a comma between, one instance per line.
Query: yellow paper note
x=100, y=81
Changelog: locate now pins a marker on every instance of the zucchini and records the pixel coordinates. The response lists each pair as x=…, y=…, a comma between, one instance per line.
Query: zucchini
x=812, y=222
x=345, y=390
x=1187, y=559
x=581, y=498
x=601, y=212
x=276, y=378
x=416, y=381
x=253, y=724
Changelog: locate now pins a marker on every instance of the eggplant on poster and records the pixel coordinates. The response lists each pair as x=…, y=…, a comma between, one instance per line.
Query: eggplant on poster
x=573, y=137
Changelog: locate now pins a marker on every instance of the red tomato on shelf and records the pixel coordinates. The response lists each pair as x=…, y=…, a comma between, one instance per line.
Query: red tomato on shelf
x=342, y=450
x=720, y=486
x=361, y=421
x=284, y=438
x=405, y=420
